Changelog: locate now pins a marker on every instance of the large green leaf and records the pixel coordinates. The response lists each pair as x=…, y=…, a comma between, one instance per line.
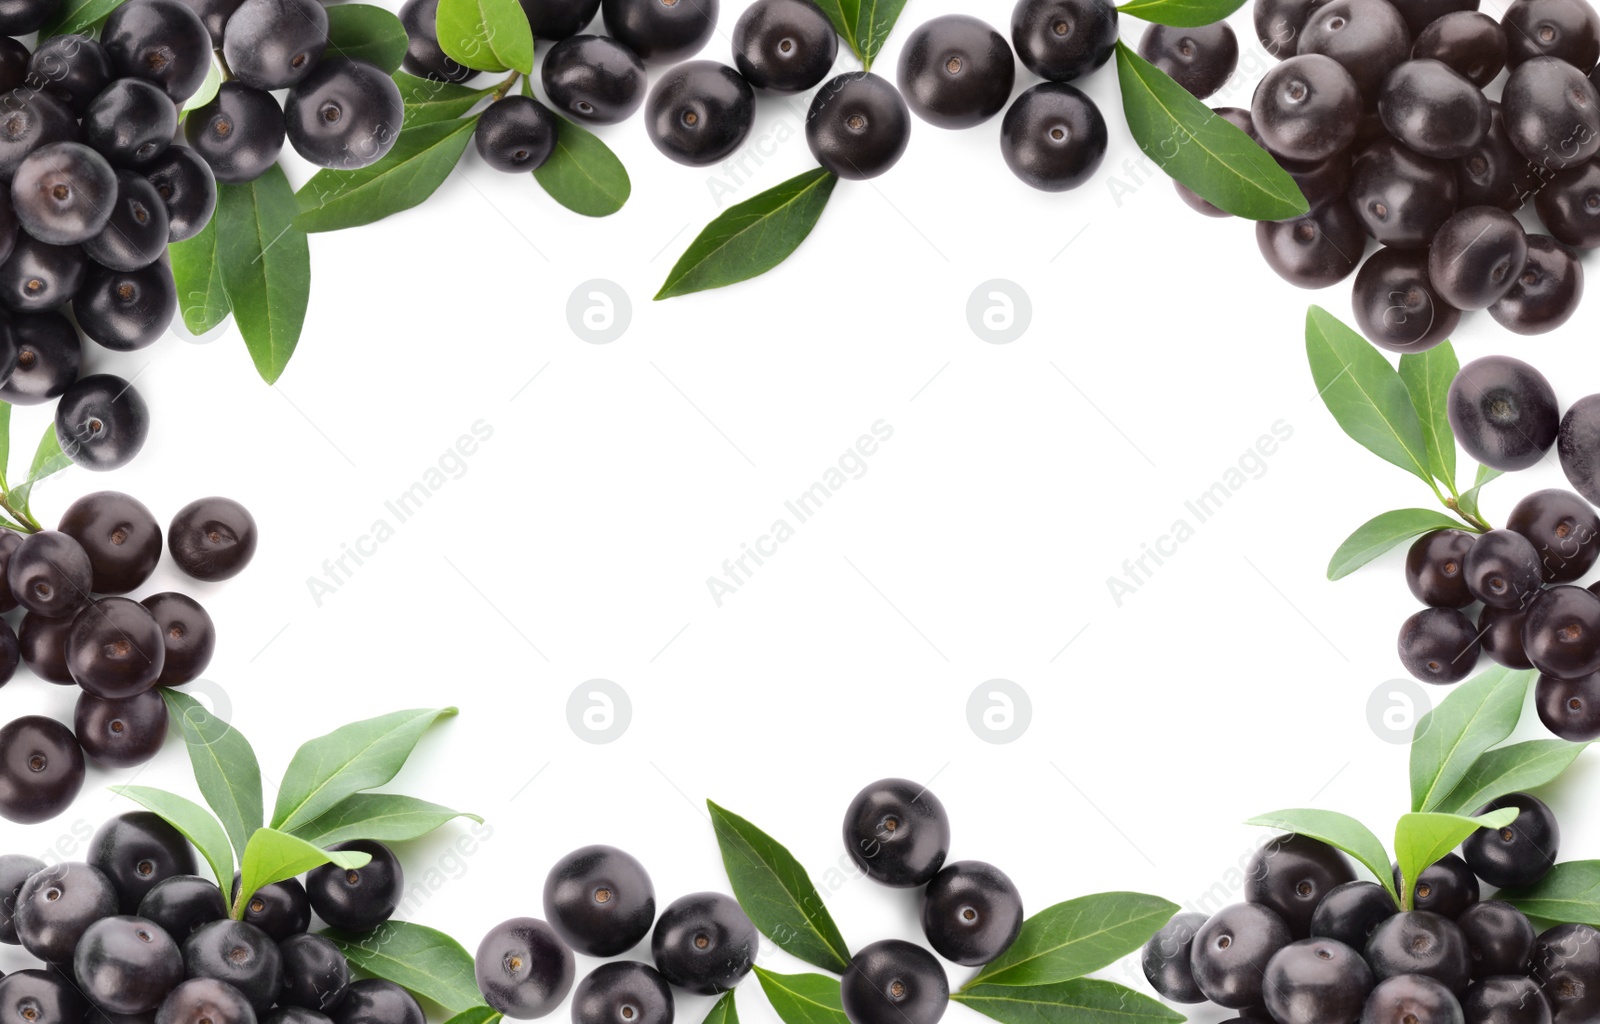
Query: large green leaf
x=1382, y=532
x=1200, y=149
x=1180, y=13
x=1476, y=715
x=266, y=267
x=1569, y=894
x=1079, y=1001
x=273, y=856
x=1365, y=393
x=202, y=300
x=422, y=158
x=1339, y=831
x=1071, y=939
x=351, y=759
x=224, y=766
x=1421, y=839
x=1512, y=769
x=193, y=821
x=582, y=173
x=488, y=35
x=777, y=893
x=366, y=32
x=422, y=961
x=386, y=817
x=1427, y=376
x=427, y=101
x=751, y=238
x=803, y=998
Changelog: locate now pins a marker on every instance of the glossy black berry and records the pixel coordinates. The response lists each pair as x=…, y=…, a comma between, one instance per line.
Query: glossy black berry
x=424, y=57
x=38, y=276
x=1499, y=939
x=1546, y=292
x=205, y=1001
x=239, y=134
x=858, y=125
x=58, y=904
x=10, y=653
x=1439, y=645
x=1569, y=205
x=239, y=954
x=1401, y=196
x=1552, y=113
x=125, y=310
x=1053, y=137
x=41, y=770
x=102, y=422
x=1506, y=999
x=1411, y=999
x=1420, y=942
x=41, y=996
x=1165, y=959
x=666, y=31
x=1369, y=37
x=1567, y=29
x=135, y=237
x=971, y=912
x=1476, y=256
x=346, y=114
x=897, y=832
x=1578, y=445
x=1351, y=912
x=1230, y=953
x=1432, y=109
x=119, y=534
x=1503, y=412
x=1291, y=874
x=279, y=910
x=1278, y=24
x=274, y=44
x=187, y=187
x=894, y=982
x=593, y=79
x=188, y=633
x=1446, y=887
x=1520, y=853
x=115, y=648
x=1471, y=43
x=956, y=71
x=120, y=733
x=19, y=17
x=14, y=870
x=1494, y=173
x=315, y=973
x=524, y=970
x=50, y=574
x=357, y=899
x=559, y=19
x=515, y=135
x=704, y=942
x=699, y=112
x=1569, y=708
x=127, y=965
x=1436, y=569
x=131, y=122
x=622, y=990
x=73, y=68
x=1500, y=630
x=212, y=538
x=1561, y=632
x=1306, y=108
x=784, y=46
x=49, y=355
x=1316, y=981
x=1566, y=964
x=1316, y=250
x=29, y=119
x=1396, y=305
x=162, y=41
x=600, y=900
x=1200, y=59
x=136, y=851
x=183, y=903
x=63, y=193
x=42, y=643
x=214, y=14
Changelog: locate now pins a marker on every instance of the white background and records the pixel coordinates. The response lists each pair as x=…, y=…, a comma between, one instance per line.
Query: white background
x=578, y=541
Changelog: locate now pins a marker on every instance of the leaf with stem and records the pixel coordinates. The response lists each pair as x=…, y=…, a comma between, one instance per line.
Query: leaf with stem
x=421, y=160
x=1467, y=501
x=1447, y=741
x=1339, y=831
x=1073, y=938
x=194, y=822
x=421, y=960
x=272, y=856
x=751, y=238
x=1421, y=839
x=350, y=759
x=1382, y=532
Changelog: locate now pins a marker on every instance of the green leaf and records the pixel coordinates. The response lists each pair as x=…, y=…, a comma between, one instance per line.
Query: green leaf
x=351, y=759
x=193, y=821
x=1513, y=769
x=266, y=267
x=386, y=817
x=1468, y=502
x=1080, y=1001
x=1339, y=831
x=874, y=21
x=1427, y=376
x=582, y=173
x=207, y=91
x=427, y=101
x=803, y=998
x=1364, y=393
x=777, y=893
x=5, y=444
x=78, y=16
x=272, y=856
x=1200, y=149
x=422, y=961
x=843, y=14
x=224, y=766
x=477, y=1015
x=1475, y=716
x=1073, y=938
x=1569, y=894
x=422, y=158
x=1382, y=532
x=751, y=238
x=724, y=1010
x=48, y=459
x=487, y=35
x=1180, y=13
x=202, y=301
x=1421, y=839
x=365, y=32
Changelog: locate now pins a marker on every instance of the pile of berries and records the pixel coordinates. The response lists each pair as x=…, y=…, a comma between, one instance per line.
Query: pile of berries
x=1312, y=945
x=77, y=630
x=1378, y=112
x=133, y=934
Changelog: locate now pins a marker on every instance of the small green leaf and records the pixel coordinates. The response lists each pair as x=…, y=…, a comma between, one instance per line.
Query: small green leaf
x=427, y=101
x=202, y=301
x=1339, y=831
x=1365, y=393
x=1180, y=13
x=1080, y=1001
x=1513, y=769
x=1476, y=715
x=1468, y=502
x=369, y=33
x=1569, y=894
x=723, y=1011
x=48, y=459
x=1074, y=938
x=422, y=158
x=1427, y=376
x=422, y=961
x=193, y=821
x=272, y=856
x=749, y=239
x=266, y=267
x=803, y=998
x=874, y=21
x=1382, y=532
x=843, y=14
x=477, y=1015
x=351, y=759
x=207, y=91
x=582, y=173
x=777, y=893
x=224, y=766
x=1420, y=840
x=1200, y=149
x=5, y=444
x=386, y=817
x=78, y=16
x=487, y=35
